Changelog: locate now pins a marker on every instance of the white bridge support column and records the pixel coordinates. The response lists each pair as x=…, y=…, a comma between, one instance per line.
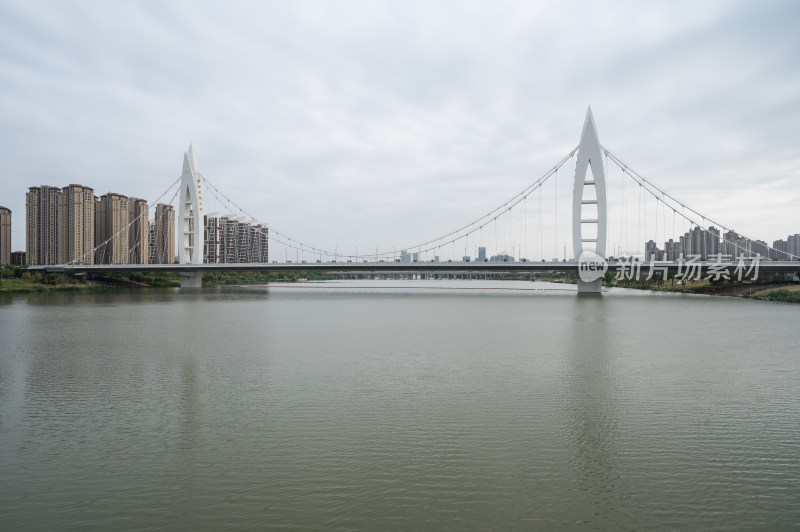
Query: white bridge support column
x=190, y=212
x=589, y=204
x=190, y=221
x=191, y=279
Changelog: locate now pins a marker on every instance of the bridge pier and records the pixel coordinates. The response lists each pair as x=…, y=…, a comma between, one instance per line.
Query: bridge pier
x=191, y=279
x=590, y=288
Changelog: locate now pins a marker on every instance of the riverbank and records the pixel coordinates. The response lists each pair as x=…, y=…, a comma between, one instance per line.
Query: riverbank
x=767, y=290
x=20, y=281
x=17, y=280
x=36, y=282
x=20, y=286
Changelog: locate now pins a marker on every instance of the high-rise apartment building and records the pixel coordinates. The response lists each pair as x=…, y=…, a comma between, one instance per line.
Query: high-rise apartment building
x=698, y=240
x=41, y=205
x=481, y=254
x=672, y=250
x=5, y=236
x=712, y=243
x=151, y=242
x=651, y=251
x=793, y=247
x=778, y=251
x=138, y=234
x=164, y=235
x=212, y=228
x=75, y=230
x=262, y=239
x=231, y=240
x=227, y=245
x=743, y=247
x=111, y=229
x=257, y=243
x=729, y=244
x=759, y=247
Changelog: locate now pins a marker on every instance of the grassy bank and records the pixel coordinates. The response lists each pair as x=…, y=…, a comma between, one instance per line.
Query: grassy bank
x=768, y=289
x=252, y=277
x=23, y=286
x=783, y=295
x=18, y=280
x=14, y=279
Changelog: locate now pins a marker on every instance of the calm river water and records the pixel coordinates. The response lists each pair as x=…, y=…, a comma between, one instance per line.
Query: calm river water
x=432, y=406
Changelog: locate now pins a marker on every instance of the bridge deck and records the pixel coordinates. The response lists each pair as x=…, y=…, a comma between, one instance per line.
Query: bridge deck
x=406, y=267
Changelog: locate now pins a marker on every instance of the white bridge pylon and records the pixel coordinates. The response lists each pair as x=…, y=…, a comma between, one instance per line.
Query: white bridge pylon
x=589, y=213
x=190, y=212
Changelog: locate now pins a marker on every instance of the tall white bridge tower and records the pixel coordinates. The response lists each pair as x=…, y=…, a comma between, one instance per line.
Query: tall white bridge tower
x=589, y=212
x=190, y=220
x=190, y=212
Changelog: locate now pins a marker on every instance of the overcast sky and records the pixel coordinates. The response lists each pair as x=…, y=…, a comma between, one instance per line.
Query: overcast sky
x=358, y=124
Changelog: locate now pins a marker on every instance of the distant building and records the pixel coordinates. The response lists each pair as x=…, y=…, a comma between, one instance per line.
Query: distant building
x=111, y=229
x=712, y=244
x=651, y=251
x=212, y=228
x=18, y=258
x=75, y=232
x=163, y=235
x=405, y=256
x=502, y=257
x=481, y=254
x=5, y=236
x=151, y=242
x=778, y=251
x=41, y=204
x=793, y=246
x=465, y=258
x=415, y=257
x=744, y=247
x=672, y=251
x=59, y=225
x=729, y=244
x=231, y=240
x=698, y=239
x=258, y=243
x=138, y=232
x=759, y=247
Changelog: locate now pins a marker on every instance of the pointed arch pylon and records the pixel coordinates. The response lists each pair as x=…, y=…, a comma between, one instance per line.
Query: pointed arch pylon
x=190, y=212
x=589, y=206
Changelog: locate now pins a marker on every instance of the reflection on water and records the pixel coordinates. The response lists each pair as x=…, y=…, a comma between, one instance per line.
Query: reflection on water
x=416, y=405
x=592, y=404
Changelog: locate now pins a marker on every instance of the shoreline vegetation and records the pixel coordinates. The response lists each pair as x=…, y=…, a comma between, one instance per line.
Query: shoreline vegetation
x=771, y=288
x=14, y=279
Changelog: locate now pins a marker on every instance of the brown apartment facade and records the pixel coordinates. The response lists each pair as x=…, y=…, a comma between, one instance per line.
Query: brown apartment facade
x=41, y=205
x=75, y=231
x=71, y=224
x=5, y=236
x=162, y=235
x=111, y=229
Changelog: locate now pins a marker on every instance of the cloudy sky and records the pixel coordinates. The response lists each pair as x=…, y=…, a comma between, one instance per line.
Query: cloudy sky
x=362, y=124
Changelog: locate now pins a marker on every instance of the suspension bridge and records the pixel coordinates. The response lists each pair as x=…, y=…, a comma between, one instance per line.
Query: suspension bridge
x=695, y=245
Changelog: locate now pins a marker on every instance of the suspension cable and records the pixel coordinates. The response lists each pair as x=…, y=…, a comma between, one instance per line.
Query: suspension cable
x=115, y=235
x=655, y=191
x=434, y=243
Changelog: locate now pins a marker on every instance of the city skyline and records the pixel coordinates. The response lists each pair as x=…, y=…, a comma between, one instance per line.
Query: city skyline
x=71, y=224
x=392, y=116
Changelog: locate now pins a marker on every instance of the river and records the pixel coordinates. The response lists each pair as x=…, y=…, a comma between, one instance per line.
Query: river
x=413, y=405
